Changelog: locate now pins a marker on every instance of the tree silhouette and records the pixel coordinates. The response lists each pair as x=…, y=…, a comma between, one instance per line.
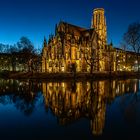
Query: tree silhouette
x=92, y=52
x=132, y=39
x=27, y=52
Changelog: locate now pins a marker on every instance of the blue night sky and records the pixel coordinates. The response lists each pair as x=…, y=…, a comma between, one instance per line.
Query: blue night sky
x=37, y=18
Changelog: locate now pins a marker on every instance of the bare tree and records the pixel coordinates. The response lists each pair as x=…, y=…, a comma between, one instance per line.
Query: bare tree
x=27, y=52
x=92, y=53
x=91, y=57
x=132, y=39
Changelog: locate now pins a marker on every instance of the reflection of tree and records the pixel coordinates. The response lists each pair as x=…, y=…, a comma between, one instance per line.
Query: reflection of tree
x=26, y=105
x=22, y=94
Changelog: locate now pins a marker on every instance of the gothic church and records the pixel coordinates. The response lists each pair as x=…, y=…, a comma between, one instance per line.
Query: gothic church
x=78, y=49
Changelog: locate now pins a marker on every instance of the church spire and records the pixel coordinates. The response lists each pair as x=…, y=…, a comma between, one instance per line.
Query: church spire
x=45, y=42
x=56, y=29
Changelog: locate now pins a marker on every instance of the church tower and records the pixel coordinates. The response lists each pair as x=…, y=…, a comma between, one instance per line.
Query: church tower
x=99, y=23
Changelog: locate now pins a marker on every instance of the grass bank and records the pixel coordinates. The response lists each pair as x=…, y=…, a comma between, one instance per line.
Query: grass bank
x=67, y=76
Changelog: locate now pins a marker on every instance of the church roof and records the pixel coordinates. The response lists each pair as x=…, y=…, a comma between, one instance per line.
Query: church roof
x=74, y=27
x=76, y=30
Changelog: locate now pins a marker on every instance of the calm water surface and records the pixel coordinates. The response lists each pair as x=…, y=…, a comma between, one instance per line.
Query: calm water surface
x=69, y=110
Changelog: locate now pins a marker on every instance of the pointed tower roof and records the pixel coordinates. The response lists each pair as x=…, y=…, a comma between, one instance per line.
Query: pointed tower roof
x=45, y=42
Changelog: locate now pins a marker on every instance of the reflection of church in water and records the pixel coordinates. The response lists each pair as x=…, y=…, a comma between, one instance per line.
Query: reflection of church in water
x=70, y=102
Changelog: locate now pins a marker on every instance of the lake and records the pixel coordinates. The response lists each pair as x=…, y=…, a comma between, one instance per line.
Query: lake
x=84, y=110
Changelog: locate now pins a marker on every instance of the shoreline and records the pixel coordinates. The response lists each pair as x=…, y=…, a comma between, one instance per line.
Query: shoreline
x=69, y=76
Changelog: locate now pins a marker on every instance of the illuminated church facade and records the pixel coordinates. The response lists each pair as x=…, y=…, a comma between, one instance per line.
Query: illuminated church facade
x=73, y=48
